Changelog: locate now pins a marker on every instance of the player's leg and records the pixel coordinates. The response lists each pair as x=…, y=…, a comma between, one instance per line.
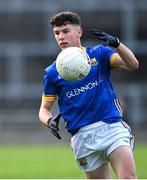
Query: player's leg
x=101, y=173
x=95, y=165
x=122, y=162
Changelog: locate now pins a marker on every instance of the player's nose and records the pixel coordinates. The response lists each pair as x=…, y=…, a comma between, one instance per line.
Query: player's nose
x=61, y=37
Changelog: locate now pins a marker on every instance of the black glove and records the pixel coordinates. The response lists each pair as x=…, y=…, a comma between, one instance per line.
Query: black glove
x=53, y=125
x=107, y=38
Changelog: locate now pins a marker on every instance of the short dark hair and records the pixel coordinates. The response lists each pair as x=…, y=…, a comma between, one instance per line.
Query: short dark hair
x=64, y=18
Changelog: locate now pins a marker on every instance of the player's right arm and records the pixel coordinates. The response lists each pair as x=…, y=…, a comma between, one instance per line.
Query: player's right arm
x=46, y=118
x=45, y=111
x=48, y=98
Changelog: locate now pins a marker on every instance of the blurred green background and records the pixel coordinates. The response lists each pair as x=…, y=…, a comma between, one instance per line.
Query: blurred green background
x=51, y=162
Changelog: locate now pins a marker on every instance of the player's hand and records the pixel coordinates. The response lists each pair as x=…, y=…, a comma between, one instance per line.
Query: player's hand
x=53, y=125
x=107, y=38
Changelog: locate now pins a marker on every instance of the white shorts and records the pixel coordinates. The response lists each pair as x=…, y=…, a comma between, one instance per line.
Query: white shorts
x=93, y=144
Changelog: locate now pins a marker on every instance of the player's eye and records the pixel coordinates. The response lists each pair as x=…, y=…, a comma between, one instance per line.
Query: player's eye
x=56, y=32
x=66, y=31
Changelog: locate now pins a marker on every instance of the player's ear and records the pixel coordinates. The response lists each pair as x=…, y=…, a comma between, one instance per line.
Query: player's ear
x=80, y=32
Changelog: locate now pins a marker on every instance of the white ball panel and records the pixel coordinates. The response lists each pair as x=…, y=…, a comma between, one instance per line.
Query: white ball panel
x=73, y=64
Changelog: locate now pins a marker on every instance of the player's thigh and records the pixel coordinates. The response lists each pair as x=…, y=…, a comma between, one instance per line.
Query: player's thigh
x=122, y=162
x=102, y=172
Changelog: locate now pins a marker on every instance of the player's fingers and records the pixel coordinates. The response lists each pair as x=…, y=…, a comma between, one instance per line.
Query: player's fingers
x=102, y=38
x=54, y=128
x=53, y=123
x=97, y=32
x=55, y=133
x=58, y=136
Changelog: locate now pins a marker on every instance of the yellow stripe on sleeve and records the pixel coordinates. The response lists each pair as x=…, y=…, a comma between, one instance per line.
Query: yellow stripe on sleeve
x=49, y=98
x=84, y=49
x=112, y=59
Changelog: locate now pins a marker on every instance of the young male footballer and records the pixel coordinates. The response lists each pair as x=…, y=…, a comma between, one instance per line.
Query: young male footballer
x=90, y=107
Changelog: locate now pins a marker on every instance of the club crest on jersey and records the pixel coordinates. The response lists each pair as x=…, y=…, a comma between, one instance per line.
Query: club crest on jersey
x=93, y=62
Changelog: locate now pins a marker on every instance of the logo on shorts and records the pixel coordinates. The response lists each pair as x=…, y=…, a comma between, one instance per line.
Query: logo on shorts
x=82, y=162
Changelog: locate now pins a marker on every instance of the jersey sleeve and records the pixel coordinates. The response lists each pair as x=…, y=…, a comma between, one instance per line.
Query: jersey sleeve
x=109, y=56
x=112, y=59
x=50, y=91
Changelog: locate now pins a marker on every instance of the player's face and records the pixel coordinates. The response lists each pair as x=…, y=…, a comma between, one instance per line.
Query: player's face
x=68, y=35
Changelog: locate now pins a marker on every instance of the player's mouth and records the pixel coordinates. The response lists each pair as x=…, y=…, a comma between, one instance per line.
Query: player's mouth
x=64, y=45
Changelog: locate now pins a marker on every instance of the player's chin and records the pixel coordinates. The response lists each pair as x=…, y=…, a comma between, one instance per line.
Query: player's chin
x=64, y=46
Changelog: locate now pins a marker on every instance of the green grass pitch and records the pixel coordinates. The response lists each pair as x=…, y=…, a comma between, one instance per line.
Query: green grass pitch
x=51, y=162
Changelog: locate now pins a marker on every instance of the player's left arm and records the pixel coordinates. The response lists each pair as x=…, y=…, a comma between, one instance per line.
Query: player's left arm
x=125, y=58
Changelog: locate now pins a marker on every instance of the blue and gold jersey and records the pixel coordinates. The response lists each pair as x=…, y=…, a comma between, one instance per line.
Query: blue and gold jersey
x=89, y=100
